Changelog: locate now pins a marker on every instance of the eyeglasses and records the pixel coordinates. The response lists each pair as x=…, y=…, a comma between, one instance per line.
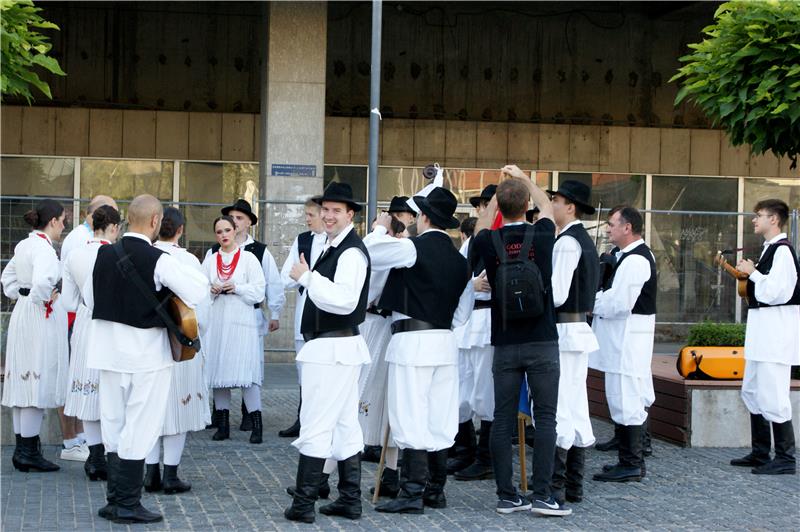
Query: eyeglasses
x=764, y=214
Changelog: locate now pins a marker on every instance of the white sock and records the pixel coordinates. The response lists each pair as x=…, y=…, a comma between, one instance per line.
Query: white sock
x=390, y=459
x=93, y=433
x=173, y=448
x=73, y=442
x=82, y=436
x=15, y=411
x=330, y=466
x=222, y=398
x=30, y=421
x=155, y=452
x=252, y=397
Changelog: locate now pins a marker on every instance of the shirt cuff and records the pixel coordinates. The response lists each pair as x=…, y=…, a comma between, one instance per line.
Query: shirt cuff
x=380, y=230
x=756, y=276
x=305, y=279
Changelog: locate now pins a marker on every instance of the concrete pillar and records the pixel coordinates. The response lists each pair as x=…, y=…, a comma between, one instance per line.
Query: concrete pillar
x=293, y=141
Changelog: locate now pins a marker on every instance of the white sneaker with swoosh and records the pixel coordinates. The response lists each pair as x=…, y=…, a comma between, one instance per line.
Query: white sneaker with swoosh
x=549, y=507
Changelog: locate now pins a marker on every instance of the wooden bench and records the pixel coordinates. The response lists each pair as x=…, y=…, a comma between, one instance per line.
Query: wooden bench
x=679, y=402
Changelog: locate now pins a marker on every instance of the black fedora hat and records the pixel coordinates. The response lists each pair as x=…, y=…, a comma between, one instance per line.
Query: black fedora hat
x=530, y=213
x=486, y=194
x=577, y=192
x=439, y=206
x=400, y=204
x=241, y=206
x=339, y=192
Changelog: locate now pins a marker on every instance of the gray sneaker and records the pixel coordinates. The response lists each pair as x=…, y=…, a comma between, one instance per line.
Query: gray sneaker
x=519, y=505
x=549, y=507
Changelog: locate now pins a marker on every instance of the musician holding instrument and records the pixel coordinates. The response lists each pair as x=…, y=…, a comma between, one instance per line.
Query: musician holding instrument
x=772, y=342
x=130, y=346
x=187, y=406
x=233, y=344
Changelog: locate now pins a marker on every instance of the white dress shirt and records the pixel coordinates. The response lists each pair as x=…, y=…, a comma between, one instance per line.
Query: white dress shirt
x=77, y=269
x=773, y=333
x=625, y=339
x=34, y=266
x=125, y=349
x=317, y=243
x=339, y=296
x=79, y=236
x=566, y=257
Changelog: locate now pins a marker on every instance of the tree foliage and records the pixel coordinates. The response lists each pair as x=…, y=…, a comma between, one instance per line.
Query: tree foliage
x=24, y=49
x=745, y=75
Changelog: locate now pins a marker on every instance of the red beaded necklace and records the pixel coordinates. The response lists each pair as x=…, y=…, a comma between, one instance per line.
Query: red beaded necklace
x=226, y=272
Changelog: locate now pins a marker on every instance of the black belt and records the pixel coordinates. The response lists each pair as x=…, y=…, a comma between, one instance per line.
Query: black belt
x=412, y=325
x=480, y=303
x=340, y=333
x=25, y=292
x=570, y=317
x=257, y=306
x=379, y=312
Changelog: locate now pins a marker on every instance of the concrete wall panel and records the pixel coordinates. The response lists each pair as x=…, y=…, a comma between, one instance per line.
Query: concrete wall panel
x=237, y=137
x=105, y=133
x=584, y=148
x=72, y=131
x=396, y=142
x=523, y=145
x=553, y=147
x=429, y=142
x=615, y=149
x=705, y=151
x=675, y=151
x=205, y=136
x=11, y=129
x=785, y=171
x=337, y=140
x=359, y=141
x=764, y=165
x=492, y=148
x=733, y=161
x=38, y=130
x=172, y=135
x=460, y=145
x=645, y=150
x=139, y=134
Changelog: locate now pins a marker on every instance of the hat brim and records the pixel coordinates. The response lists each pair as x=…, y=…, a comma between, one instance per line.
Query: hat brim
x=226, y=211
x=475, y=201
x=404, y=208
x=438, y=218
x=319, y=200
x=585, y=207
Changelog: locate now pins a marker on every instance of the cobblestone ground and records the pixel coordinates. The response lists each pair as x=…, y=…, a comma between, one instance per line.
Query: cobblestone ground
x=240, y=486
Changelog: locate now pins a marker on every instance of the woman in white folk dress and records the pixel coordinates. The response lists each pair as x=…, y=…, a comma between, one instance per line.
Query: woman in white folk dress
x=37, y=351
x=233, y=346
x=187, y=407
x=83, y=383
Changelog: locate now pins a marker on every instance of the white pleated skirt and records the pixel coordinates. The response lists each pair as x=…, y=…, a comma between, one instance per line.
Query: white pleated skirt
x=83, y=383
x=37, y=356
x=187, y=406
x=372, y=412
x=233, y=346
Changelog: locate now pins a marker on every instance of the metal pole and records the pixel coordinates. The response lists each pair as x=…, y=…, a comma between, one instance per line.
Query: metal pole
x=374, y=105
x=263, y=171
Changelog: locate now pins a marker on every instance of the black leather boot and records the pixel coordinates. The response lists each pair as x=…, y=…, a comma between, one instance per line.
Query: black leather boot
x=258, y=428
x=246, y=425
x=464, y=448
x=784, y=462
x=294, y=430
x=223, y=426
x=172, y=484
x=324, y=489
x=631, y=461
x=613, y=443
x=129, y=495
x=372, y=453
x=349, y=502
x=152, y=478
x=309, y=470
x=481, y=469
x=576, y=461
x=433, y=496
x=390, y=484
x=413, y=479
x=109, y=511
x=95, y=466
x=30, y=457
x=647, y=440
x=17, y=450
x=214, y=411
x=558, y=482
x=760, y=441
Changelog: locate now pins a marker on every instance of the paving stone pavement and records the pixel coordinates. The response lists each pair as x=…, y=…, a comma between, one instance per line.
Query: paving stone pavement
x=239, y=486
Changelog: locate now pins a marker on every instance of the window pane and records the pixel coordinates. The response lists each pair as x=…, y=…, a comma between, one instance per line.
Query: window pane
x=124, y=180
x=37, y=176
x=355, y=176
x=755, y=190
x=691, y=287
x=611, y=189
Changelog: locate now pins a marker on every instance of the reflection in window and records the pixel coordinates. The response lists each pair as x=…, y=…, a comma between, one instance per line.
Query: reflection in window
x=691, y=287
x=355, y=176
x=37, y=176
x=126, y=179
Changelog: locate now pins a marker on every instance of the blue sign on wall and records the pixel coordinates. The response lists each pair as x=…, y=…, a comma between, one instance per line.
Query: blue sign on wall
x=294, y=170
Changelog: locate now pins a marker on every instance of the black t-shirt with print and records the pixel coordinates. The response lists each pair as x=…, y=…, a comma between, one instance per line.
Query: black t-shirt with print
x=543, y=328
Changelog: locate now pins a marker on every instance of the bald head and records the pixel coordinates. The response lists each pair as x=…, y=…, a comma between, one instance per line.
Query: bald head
x=98, y=201
x=144, y=215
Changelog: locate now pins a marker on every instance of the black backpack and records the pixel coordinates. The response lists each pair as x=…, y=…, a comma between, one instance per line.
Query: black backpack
x=518, y=285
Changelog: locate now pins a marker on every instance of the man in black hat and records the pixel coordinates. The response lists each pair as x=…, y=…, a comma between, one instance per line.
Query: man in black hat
x=576, y=269
x=331, y=359
x=243, y=215
x=400, y=210
x=428, y=291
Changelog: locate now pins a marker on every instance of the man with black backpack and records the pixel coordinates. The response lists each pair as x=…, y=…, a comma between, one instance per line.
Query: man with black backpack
x=518, y=259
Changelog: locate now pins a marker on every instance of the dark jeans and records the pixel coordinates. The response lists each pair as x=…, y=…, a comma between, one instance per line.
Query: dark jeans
x=511, y=362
